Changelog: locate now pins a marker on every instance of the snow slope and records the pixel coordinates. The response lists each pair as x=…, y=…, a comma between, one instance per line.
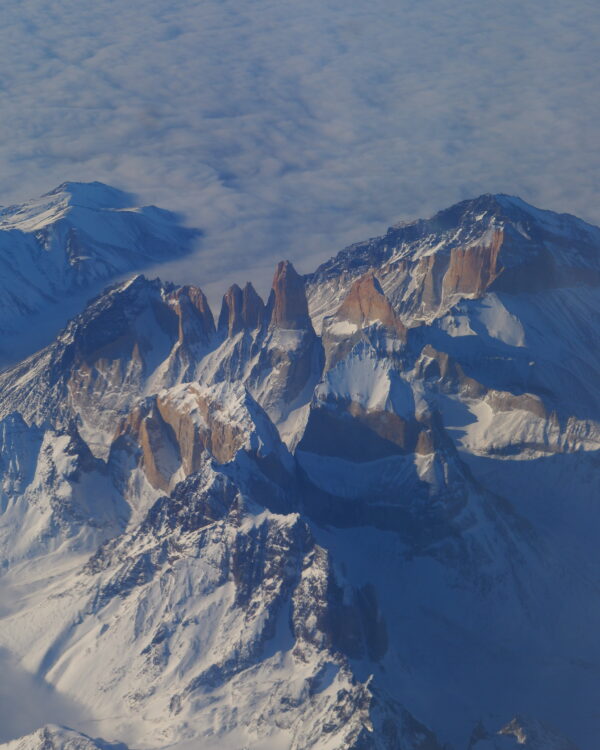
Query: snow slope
x=66, y=243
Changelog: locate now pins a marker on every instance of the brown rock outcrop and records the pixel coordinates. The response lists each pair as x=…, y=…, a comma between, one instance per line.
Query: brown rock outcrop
x=505, y=401
x=196, y=322
x=366, y=303
x=230, y=317
x=287, y=303
x=472, y=269
x=431, y=284
x=174, y=429
x=440, y=366
x=160, y=452
x=253, y=308
x=212, y=432
x=241, y=309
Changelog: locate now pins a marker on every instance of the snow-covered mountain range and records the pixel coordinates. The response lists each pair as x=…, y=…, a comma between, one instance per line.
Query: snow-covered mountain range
x=58, y=250
x=359, y=514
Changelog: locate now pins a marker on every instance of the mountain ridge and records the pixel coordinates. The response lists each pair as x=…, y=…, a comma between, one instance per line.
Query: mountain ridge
x=427, y=265
x=58, y=250
x=324, y=513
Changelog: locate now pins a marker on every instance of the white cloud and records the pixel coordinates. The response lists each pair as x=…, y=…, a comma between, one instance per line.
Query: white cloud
x=288, y=128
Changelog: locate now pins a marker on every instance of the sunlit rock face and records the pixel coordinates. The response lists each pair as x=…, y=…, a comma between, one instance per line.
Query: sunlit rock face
x=287, y=303
x=492, y=243
x=242, y=309
x=366, y=304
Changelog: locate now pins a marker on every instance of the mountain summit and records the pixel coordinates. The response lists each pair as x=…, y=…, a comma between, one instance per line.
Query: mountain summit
x=494, y=242
x=70, y=240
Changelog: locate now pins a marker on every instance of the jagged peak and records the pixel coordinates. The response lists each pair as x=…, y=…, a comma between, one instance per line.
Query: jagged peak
x=287, y=303
x=196, y=321
x=366, y=304
x=230, y=317
x=109, y=314
x=136, y=285
x=253, y=307
x=196, y=297
x=477, y=212
x=241, y=309
x=494, y=239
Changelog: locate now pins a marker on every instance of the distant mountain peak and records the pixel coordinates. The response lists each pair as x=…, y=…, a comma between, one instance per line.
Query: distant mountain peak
x=500, y=209
x=54, y=737
x=93, y=195
x=36, y=213
x=76, y=238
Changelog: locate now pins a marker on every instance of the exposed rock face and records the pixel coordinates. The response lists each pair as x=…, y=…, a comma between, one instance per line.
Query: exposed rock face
x=286, y=357
x=287, y=303
x=366, y=304
x=439, y=368
x=100, y=363
x=196, y=322
x=365, y=318
x=472, y=269
x=523, y=421
x=183, y=426
x=241, y=310
x=253, y=308
x=136, y=337
x=230, y=317
x=494, y=242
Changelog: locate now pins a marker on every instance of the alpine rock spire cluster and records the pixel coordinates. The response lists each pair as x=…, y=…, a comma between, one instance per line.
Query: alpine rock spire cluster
x=361, y=514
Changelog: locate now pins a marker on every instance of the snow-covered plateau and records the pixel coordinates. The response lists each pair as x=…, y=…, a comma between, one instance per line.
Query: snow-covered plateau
x=360, y=515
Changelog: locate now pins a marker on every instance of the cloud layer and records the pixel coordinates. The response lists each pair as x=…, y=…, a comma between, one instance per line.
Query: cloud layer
x=289, y=128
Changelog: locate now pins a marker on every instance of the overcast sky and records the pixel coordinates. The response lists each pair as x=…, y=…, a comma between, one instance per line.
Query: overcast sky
x=289, y=128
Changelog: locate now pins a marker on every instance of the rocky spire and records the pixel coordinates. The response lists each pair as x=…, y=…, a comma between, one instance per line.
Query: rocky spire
x=253, y=308
x=241, y=309
x=196, y=322
x=230, y=317
x=366, y=303
x=287, y=303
